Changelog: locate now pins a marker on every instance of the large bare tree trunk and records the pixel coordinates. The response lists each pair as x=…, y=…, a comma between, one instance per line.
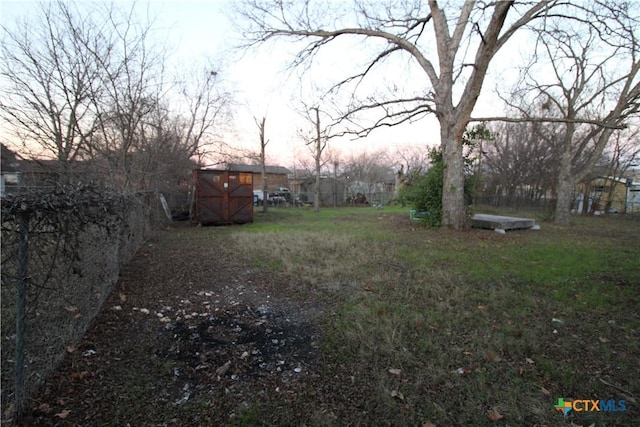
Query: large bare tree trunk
x=453, y=210
x=565, y=189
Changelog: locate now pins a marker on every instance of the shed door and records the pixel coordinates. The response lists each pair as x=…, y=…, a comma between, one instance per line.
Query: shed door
x=240, y=201
x=210, y=197
x=224, y=197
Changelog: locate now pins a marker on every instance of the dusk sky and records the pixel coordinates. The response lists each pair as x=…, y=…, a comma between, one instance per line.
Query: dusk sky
x=199, y=30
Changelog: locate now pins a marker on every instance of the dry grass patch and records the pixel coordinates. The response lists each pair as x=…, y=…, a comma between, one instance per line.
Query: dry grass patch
x=470, y=322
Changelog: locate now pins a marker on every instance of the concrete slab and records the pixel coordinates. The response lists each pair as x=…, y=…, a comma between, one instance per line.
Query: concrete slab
x=499, y=222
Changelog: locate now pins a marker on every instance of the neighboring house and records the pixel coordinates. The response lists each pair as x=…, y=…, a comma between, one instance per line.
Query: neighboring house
x=609, y=195
x=342, y=190
x=9, y=171
x=332, y=191
x=378, y=193
x=277, y=176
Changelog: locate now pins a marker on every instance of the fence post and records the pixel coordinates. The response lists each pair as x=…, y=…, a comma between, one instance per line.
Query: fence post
x=21, y=302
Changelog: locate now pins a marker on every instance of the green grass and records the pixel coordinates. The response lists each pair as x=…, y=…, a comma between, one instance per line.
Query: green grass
x=433, y=302
x=474, y=320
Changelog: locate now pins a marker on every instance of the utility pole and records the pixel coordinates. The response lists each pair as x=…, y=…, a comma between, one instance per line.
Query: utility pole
x=318, y=154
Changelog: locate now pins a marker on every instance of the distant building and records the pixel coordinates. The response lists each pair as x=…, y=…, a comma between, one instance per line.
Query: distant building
x=608, y=194
x=332, y=190
x=277, y=176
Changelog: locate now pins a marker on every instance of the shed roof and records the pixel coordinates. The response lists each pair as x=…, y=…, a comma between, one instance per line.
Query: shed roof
x=277, y=170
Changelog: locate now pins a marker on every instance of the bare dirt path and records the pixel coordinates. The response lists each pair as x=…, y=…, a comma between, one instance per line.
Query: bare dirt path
x=191, y=335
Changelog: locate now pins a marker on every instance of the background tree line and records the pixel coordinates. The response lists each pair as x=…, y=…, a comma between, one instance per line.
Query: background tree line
x=578, y=76
x=88, y=85
x=92, y=84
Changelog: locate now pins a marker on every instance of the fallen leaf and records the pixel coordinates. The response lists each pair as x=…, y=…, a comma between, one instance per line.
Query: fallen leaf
x=122, y=296
x=77, y=376
x=64, y=414
x=9, y=411
x=482, y=307
x=494, y=415
x=367, y=288
x=397, y=394
x=428, y=423
x=492, y=357
x=70, y=349
x=78, y=316
x=394, y=371
x=545, y=391
x=71, y=309
x=44, y=408
x=224, y=368
x=529, y=361
x=603, y=340
x=467, y=353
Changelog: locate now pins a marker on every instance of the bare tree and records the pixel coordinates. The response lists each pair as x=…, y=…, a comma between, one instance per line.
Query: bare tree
x=50, y=77
x=132, y=88
x=520, y=165
x=452, y=44
x=208, y=107
x=319, y=143
x=263, y=144
x=367, y=174
x=85, y=82
x=413, y=160
x=334, y=161
x=592, y=88
x=78, y=81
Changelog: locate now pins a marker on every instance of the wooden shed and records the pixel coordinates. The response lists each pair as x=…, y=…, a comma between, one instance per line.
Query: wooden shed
x=223, y=197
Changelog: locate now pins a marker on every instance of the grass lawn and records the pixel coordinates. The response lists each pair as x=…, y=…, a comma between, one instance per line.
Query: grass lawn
x=460, y=328
x=362, y=317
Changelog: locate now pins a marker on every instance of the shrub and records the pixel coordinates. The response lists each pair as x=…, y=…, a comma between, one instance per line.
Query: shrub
x=424, y=193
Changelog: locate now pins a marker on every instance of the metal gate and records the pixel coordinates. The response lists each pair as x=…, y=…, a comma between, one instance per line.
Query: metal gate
x=223, y=197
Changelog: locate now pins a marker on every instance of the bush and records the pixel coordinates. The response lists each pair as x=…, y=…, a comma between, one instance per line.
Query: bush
x=424, y=193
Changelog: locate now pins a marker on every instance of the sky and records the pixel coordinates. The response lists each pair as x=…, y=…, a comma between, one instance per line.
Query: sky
x=200, y=29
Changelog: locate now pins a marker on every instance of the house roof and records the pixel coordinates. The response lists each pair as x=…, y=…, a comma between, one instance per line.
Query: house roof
x=9, y=158
x=622, y=180
x=276, y=170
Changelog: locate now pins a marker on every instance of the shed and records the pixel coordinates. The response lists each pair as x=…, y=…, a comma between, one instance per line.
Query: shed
x=223, y=197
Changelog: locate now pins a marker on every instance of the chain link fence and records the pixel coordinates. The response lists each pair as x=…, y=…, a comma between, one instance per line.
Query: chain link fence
x=62, y=249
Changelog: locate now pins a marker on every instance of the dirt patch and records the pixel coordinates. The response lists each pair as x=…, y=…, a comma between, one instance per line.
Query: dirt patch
x=184, y=340
x=240, y=343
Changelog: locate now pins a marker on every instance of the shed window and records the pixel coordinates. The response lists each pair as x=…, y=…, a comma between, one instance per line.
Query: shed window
x=246, y=178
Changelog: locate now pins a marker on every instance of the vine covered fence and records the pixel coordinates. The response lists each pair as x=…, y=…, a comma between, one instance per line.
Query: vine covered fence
x=62, y=249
